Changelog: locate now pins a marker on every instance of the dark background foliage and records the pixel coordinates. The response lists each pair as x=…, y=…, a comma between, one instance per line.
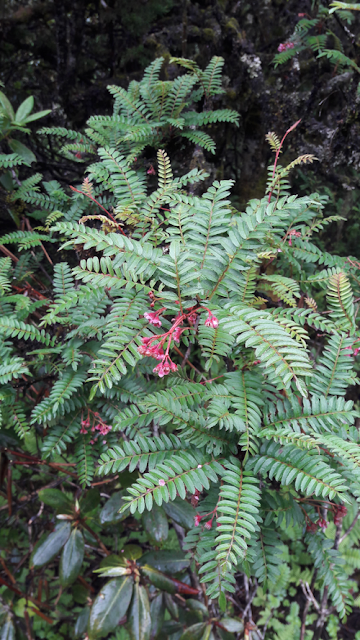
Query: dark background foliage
x=66, y=53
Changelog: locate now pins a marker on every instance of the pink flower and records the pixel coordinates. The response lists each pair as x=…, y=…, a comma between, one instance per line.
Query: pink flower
x=162, y=482
x=311, y=527
x=164, y=368
x=154, y=351
x=211, y=321
x=322, y=523
x=151, y=171
x=192, y=317
x=177, y=333
x=197, y=520
x=208, y=524
x=285, y=45
x=153, y=318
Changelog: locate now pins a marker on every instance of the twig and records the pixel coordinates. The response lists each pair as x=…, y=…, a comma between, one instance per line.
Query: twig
x=349, y=530
x=249, y=597
x=266, y=624
x=86, y=526
x=29, y=227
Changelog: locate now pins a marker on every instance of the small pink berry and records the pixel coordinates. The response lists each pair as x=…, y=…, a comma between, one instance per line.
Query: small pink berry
x=162, y=482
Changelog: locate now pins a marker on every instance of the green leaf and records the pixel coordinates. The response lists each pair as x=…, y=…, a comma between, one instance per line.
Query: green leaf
x=195, y=632
x=110, y=605
x=37, y=115
x=52, y=545
x=157, y=611
x=132, y=551
x=7, y=631
x=24, y=110
x=22, y=151
x=167, y=561
x=233, y=625
x=156, y=525
x=90, y=501
x=181, y=512
x=6, y=105
x=71, y=558
x=109, y=514
x=139, y=620
x=56, y=499
x=82, y=622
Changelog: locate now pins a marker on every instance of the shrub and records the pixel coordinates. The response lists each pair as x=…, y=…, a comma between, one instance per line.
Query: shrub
x=200, y=357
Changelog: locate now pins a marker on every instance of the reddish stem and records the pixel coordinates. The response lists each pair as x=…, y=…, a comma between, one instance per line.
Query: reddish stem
x=99, y=205
x=279, y=149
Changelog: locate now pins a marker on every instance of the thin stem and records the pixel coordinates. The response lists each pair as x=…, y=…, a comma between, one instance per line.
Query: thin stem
x=349, y=530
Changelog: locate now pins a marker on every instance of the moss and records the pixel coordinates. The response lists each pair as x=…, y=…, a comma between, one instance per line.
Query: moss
x=209, y=35
x=232, y=25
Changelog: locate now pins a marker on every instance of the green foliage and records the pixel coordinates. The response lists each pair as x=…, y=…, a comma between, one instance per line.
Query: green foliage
x=169, y=349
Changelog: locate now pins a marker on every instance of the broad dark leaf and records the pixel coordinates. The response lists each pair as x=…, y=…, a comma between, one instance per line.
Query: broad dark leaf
x=52, y=545
x=82, y=622
x=195, y=632
x=56, y=499
x=235, y=625
x=110, y=606
x=182, y=512
x=158, y=579
x=109, y=514
x=171, y=606
x=90, y=501
x=139, y=621
x=155, y=523
x=157, y=611
x=170, y=562
x=71, y=558
x=22, y=150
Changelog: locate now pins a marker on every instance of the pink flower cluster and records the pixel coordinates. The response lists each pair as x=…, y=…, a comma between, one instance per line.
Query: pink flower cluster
x=340, y=512
x=295, y=234
x=147, y=348
x=211, y=321
x=100, y=426
x=164, y=367
x=285, y=45
x=153, y=318
x=354, y=352
x=207, y=525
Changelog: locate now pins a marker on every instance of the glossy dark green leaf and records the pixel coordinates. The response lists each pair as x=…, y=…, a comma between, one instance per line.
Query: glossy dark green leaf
x=139, y=621
x=52, y=545
x=71, y=558
x=56, y=499
x=156, y=525
x=195, y=632
x=182, y=512
x=234, y=625
x=22, y=150
x=222, y=601
x=110, y=605
x=170, y=562
x=90, y=501
x=158, y=579
x=82, y=622
x=109, y=514
x=7, y=631
x=171, y=606
x=196, y=605
x=157, y=611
